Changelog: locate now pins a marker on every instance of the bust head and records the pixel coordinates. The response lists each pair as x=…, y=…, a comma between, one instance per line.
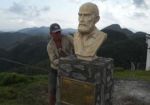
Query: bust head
x=88, y=39
x=88, y=17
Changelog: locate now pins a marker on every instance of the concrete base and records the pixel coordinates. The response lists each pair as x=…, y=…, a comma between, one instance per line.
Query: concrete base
x=86, y=82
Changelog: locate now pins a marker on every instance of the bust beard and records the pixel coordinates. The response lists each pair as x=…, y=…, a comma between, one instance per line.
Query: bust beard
x=85, y=29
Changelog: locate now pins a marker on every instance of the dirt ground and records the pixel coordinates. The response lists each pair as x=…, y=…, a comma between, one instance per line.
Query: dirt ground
x=131, y=92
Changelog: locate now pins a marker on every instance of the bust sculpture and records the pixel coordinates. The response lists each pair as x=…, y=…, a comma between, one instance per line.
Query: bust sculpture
x=88, y=39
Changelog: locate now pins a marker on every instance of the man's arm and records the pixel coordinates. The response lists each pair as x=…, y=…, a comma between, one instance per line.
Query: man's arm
x=52, y=55
x=71, y=43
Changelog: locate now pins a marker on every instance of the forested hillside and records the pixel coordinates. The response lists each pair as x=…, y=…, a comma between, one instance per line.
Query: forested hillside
x=128, y=49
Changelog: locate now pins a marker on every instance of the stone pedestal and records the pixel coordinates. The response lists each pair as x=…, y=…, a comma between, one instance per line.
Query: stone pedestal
x=85, y=82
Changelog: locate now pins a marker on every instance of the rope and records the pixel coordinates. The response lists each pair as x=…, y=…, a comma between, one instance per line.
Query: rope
x=23, y=64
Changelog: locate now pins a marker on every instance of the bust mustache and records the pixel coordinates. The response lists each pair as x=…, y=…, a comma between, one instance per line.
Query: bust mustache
x=84, y=28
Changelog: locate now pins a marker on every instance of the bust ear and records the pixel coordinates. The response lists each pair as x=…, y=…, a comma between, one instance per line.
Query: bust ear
x=97, y=19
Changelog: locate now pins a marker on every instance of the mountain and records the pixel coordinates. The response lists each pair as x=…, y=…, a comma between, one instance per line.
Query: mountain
x=10, y=39
x=139, y=34
x=3, y=53
x=3, y=64
x=29, y=46
x=125, y=47
x=127, y=32
x=114, y=36
x=68, y=31
x=35, y=31
x=32, y=47
x=116, y=27
x=44, y=31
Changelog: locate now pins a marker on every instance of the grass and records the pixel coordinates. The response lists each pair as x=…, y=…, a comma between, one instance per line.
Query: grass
x=19, y=89
x=133, y=75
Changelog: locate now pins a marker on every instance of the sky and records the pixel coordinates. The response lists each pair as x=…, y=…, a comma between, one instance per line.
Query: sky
x=19, y=14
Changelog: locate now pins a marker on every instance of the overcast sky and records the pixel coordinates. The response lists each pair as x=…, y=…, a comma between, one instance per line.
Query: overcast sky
x=18, y=14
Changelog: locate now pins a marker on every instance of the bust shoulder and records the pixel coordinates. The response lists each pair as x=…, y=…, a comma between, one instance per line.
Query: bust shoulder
x=102, y=34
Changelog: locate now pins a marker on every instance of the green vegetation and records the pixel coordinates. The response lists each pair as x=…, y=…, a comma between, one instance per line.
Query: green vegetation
x=17, y=89
x=27, y=87
x=125, y=49
x=133, y=75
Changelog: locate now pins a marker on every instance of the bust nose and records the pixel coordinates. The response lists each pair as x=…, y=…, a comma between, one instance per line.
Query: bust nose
x=81, y=18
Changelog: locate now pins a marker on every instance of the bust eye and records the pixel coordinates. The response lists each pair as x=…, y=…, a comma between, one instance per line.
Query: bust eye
x=79, y=14
x=86, y=14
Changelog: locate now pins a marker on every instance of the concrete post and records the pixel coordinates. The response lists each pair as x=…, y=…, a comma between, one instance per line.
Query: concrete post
x=86, y=82
x=148, y=52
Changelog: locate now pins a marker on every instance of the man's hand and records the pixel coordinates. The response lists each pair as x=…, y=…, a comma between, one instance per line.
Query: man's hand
x=56, y=61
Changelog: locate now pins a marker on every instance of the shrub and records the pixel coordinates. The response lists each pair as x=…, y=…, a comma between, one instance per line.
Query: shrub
x=12, y=78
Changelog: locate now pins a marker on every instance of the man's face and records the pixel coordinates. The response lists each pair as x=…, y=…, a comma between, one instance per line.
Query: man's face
x=86, y=20
x=56, y=35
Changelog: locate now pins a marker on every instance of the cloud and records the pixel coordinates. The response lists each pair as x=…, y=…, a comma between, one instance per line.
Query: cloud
x=99, y=0
x=74, y=1
x=20, y=15
x=17, y=8
x=109, y=16
x=140, y=3
x=27, y=10
x=133, y=14
x=139, y=15
x=82, y=1
x=45, y=8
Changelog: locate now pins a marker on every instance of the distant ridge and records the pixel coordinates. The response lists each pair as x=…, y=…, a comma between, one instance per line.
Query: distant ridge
x=29, y=46
x=44, y=31
x=116, y=27
x=129, y=33
x=9, y=40
x=35, y=30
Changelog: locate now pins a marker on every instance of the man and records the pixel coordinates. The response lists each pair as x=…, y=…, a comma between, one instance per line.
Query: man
x=59, y=46
x=88, y=39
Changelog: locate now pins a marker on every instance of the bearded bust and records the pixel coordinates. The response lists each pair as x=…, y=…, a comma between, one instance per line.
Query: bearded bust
x=88, y=39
